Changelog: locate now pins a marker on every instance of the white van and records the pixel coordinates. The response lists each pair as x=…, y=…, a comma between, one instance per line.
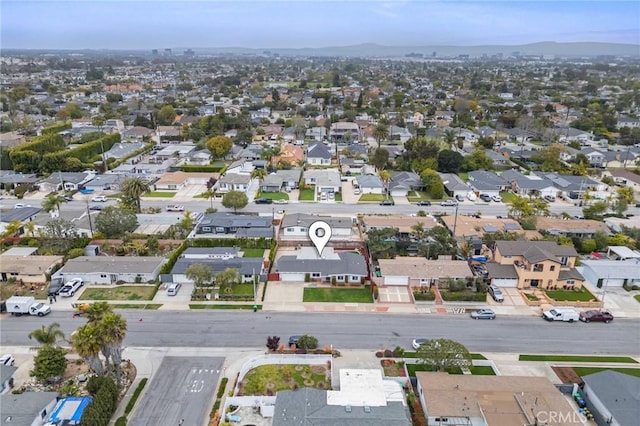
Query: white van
x=173, y=289
x=561, y=314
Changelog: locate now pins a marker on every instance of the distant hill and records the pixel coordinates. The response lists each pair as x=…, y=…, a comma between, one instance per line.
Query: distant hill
x=580, y=49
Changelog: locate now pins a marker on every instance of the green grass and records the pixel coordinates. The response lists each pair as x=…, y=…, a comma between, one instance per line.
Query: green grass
x=160, y=194
x=585, y=371
x=307, y=194
x=340, y=295
x=123, y=292
x=274, y=378
x=508, y=197
x=412, y=354
x=221, y=306
x=146, y=306
x=253, y=252
x=531, y=297
x=464, y=176
x=338, y=196
x=238, y=289
x=134, y=397
x=577, y=358
x=582, y=295
x=274, y=195
x=366, y=198
x=637, y=297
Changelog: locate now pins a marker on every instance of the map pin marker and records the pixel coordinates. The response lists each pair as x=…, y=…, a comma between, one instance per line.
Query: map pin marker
x=320, y=233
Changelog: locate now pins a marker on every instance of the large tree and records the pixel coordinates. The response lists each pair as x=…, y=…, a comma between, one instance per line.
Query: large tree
x=432, y=183
x=219, y=146
x=87, y=342
x=132, y=190
x=449, y=161
x=60, y=228
x=235, y=200
x=47, y=335
x=380, y=133
x=115, y=222
x=380, y=158
x=443, y=354
x=226, y=279
x=166, y=115
x=199, y=273
x=49, y=363
x=52, y=202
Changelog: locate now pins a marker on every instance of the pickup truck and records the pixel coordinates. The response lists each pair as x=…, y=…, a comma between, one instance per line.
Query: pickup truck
x=26, y=305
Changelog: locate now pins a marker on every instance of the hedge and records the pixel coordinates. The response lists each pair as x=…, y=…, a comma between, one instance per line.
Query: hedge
x=167, y=267
x=122, y=421
x=134, y=397
x=56, y=128
x=245, y=243
x=204, y=169
x=463, y=296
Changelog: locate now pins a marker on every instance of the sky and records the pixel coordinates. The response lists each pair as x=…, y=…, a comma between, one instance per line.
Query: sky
x=149, y=24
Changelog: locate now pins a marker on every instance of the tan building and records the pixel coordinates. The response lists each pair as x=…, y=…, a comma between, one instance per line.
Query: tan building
x=466, y=400
x=581, y=228
x=415, y=272
x=402, y=223
x=29, y=269
x=541, y=264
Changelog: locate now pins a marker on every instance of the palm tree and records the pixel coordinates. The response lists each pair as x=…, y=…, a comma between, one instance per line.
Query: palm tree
x=87, y=341
x=97, y=311
x=385, y=176
x=12, y=228
x=31, y=228
x=380, y=132
x=52, y=202
x=133, y=188
x=47, y=336
x=113, y=329
x=258, y=173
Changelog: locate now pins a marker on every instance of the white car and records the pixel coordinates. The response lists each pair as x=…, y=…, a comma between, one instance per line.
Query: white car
x=497, y=198
x=280, y=201
x=416, y=343
x=7, y=359
x=70, y=287
x=99, y=199
x=21, y=205
x=175, y=208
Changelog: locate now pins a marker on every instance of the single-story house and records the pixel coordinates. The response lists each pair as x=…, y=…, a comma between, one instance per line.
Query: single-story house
x=158, y=223
x=271, y=183
x=234, y=182
x=221, y=253
x=221, y=224
x=181, y=150
x=369, y=184
x=327, y=180
x=530, y=185
x=345, y=267
x=581, y=228
x=69, y=181
x=27, y=408
x=453, y=185
x=402, y=182
x=316, y=133
x=124, y=150
x=484, y=182
x=612, y=273
x=295, y=226
x=289, y=154
x=240, y=167
x=10, y=179
x=199, y=158
x=612, y=397
x=174, y=181
x=105, y=182
x=318, y=154
x=29, y=269
x=416, y=272
x=248, y=267
x=112, y=269
x=22, y=215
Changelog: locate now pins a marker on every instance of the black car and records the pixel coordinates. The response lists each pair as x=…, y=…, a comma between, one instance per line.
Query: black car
x=55, y=286
x=387, y=203
x=424, y=203
x=263, y=201
x=96, y=207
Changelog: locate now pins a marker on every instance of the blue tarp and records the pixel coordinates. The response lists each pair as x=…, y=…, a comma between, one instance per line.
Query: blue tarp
x=70, y=409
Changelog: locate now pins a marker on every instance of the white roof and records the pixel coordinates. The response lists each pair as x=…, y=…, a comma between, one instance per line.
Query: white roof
x=614, y=269
x=359, y=388
x=625, y=252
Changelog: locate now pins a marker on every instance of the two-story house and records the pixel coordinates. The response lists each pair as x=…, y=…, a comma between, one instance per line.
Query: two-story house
x=541, y=264
x=318, y=154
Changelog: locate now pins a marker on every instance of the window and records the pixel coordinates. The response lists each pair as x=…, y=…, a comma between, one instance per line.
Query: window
x=340, y=278
x=315, y=275
x=552, y=267
x=219, y=229
x=355, y=278
x=290, y=230
x=564, y=260
x=570, y=282
x=538, y=267
x=206, y=229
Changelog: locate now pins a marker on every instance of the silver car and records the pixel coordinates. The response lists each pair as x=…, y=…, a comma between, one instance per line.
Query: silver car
x=496, y=293
x=483, y=314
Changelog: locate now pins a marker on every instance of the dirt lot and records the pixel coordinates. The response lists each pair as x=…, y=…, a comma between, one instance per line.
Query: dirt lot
x=567, y=375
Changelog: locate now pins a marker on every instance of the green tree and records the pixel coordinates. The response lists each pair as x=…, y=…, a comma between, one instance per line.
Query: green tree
x=96, y=311
x=307, y=342
x=432, y=183
x=226, y=279
x=443, y=354
x=132, y=190
x=113, y=329
x=549, y=158
x=477, y=160
x=219, y=146
x=87, y=342
x=47, y=335
x=60, y=228
x=235, y=200
x=49, y=363
x=380, y=133
x=626, y=193
x=52, y=202
x=595, y=211
x=115, y=222
x=380, y=158
x=520, y=206
x=449, y=161
x=12, y=228
x=199, y=273
x=166, y=115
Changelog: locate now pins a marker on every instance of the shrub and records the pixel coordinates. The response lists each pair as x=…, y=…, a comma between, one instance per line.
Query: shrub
x=223, y=386
x=388, y=353
x=307, y=342
x=379, y=354
x=122, y=421
x=398, y=352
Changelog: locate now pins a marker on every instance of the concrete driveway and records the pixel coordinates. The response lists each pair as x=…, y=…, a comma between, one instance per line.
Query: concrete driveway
x=348, y=197
x=393, y=295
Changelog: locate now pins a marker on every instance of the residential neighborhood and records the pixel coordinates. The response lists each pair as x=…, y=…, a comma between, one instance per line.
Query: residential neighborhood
x=157, y=219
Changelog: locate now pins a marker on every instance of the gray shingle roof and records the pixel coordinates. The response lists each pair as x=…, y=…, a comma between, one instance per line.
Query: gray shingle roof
x=308, y=407
x=571, y=274
x=22, y=409
x=228, y=220
x=318, y=150
x=244, y=265
x=303, y=219
x=348, y=264
x=620, y=394
x=518, y=248
x=112, y=264
x=496, y=270
x=20, y=215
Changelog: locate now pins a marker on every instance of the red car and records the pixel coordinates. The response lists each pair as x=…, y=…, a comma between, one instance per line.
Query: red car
x=601, y=316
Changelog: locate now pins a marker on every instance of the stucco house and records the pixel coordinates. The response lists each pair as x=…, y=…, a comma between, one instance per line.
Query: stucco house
x=345, y=267
x=318, y=154
x=295, y=226
x=417, y=272
x=112, y=269
x=29, y=269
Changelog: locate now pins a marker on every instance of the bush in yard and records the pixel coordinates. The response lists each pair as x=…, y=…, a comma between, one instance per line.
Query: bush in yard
x=307, y=342
x=50, y=363
x=398, y=352
x=103, y=405
x=273, y=342
x=388, y=353
x=379, y=354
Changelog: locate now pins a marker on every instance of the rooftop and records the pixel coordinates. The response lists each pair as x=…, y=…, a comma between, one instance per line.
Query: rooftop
x=418, y=267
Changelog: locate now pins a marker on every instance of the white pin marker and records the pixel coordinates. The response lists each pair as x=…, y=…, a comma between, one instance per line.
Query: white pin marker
x=320, y=233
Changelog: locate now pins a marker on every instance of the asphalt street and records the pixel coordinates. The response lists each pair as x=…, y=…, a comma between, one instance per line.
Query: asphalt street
x=350, y=331
x=183, y=389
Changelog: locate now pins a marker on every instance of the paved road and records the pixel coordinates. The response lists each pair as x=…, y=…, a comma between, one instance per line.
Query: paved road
x=350, y=331
x=183, y=389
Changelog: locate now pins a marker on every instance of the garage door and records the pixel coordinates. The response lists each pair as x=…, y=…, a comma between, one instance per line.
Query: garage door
x=292, y=276
x=395, y=280
x=399, y=193
x=505, y=282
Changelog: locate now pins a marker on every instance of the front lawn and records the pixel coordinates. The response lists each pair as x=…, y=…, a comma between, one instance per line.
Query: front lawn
x=274, y=195
x=308, y=194
x=338, y=295
x=412, y=354
x=637, y=297
x=507, y=197
x=269, y=379
x=577, y=358
x=585, y=371
x=463, y=296
x=253, y=252
x=368, y=198
x=392, y=368
x=123, y=292
x=582, y=295
x=338, y=196
x=160, y=194
x=242, y=289
x=145, y=306
x=8, y=289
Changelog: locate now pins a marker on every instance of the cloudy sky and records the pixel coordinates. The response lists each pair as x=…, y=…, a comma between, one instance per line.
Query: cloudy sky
x=146, y=24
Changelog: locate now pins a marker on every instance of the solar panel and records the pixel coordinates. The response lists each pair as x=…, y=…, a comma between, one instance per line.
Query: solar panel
x=490, y=228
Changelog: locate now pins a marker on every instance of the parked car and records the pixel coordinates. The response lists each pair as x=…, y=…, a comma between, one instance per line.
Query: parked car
x=95, y=207
x=460, y=197
x=496, y=293
x=70, y=287
x=485, y=197
x=549, y=198
x=293, y=340
x=416, y=343
x=263, y=201
x=483, y=314
x=173, y=289
x=423, y=203
x=496, y=198
x=356, y=191
x=55, y=286
x=281, y=201
x=99, y=199
x=479, y=270
x=7, y=359
x=21, y=205
x=449, y=203
x=388, y=203
x=596, y=316
x=175, y=208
